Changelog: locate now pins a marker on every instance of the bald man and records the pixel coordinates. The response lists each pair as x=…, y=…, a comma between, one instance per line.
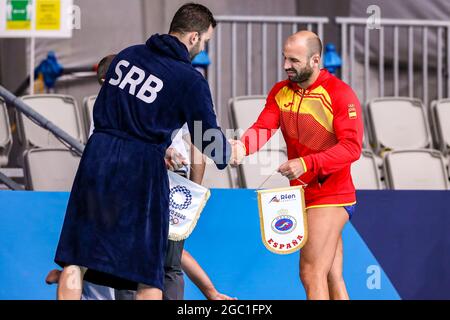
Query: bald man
x=321, y=121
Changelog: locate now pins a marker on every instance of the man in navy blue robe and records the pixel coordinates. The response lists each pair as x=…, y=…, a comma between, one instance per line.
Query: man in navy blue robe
x=116, y=223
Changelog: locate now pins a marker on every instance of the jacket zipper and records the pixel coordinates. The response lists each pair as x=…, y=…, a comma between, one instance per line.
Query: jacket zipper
x=298, y=111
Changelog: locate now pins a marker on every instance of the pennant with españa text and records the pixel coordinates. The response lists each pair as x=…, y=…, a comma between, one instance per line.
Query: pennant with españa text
x=282, y=216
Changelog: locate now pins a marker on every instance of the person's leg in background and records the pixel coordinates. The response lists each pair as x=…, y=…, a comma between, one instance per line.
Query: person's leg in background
x=173, y=276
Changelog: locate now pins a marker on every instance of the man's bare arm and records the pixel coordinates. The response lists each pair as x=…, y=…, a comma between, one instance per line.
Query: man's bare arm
x=197, y=165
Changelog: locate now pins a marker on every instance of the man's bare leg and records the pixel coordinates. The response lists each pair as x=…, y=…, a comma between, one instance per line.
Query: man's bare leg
x=336, y=283
x=317, y=256
x=70, y=285
x=146, y=292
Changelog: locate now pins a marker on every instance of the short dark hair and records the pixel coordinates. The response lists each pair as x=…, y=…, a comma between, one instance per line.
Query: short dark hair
x=103, y=66
x=192, y=17
x=314, y=46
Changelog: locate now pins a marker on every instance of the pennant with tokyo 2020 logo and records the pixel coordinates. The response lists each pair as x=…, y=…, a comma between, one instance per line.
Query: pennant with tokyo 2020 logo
x=282, y=216
x=186, y=202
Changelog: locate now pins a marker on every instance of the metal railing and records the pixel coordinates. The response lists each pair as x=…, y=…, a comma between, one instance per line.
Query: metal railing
x=15, y=102
x=404, y=40
x=258, y=64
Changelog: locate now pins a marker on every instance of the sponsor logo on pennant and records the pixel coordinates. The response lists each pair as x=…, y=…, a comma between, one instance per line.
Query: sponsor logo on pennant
x=274, y=199
x=283, y=219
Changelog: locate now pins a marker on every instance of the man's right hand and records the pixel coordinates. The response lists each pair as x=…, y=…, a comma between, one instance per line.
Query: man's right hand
x=174, y=160
x=238, y=152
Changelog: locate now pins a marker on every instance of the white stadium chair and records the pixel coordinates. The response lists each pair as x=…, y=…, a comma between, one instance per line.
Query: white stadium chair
x=398, y=123
x=244, y=112
x=257, y=167
x=5, y=134
x=61, y=110
x=50, y=169
x=416, y=170
x=365, y=173
x=88, y=112
x=440, y=111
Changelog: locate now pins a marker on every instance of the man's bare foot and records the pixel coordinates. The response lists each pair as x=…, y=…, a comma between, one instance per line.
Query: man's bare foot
x=53, y=276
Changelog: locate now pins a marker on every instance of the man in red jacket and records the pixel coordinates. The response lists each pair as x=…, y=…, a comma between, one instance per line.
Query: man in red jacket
x=321, y=121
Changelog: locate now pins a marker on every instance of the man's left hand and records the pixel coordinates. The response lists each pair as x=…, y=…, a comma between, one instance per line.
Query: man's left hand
x=292, y=169
x=174, y=160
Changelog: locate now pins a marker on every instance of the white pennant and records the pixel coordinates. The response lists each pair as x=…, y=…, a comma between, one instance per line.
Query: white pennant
x=282, y=216
x=187, y=200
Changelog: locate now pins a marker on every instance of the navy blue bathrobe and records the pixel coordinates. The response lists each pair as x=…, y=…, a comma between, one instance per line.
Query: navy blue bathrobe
x=117, y=218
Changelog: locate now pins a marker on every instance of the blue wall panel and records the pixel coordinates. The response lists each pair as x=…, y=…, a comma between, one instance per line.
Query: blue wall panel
x=227, y=244
x=403, y=235
x=408, y=232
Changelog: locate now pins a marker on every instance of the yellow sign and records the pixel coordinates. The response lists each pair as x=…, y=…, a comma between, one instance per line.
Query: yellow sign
x=48, y=14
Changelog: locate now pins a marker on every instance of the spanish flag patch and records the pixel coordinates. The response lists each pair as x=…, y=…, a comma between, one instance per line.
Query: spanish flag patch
x=352, y=111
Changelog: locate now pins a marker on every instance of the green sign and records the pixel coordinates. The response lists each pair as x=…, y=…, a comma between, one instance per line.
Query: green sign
x=18, y=14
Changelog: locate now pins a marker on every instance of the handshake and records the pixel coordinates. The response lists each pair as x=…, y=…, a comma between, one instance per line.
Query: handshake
x=238, y=152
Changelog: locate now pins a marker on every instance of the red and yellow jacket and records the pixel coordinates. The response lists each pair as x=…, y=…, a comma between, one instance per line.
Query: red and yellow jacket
x=322, y=125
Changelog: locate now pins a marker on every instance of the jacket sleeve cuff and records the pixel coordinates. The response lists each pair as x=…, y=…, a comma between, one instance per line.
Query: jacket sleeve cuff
x=307, y=162
x=245, y=149
x=305, y=168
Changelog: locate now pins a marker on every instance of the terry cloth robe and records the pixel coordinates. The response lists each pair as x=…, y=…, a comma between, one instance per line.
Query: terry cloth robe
x=117, y=218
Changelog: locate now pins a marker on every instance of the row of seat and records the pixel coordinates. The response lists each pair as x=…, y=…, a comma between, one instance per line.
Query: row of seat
x=35, y=142
x=420, y=169
x=53, y=169
x=391, y=123
x=64, y=112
